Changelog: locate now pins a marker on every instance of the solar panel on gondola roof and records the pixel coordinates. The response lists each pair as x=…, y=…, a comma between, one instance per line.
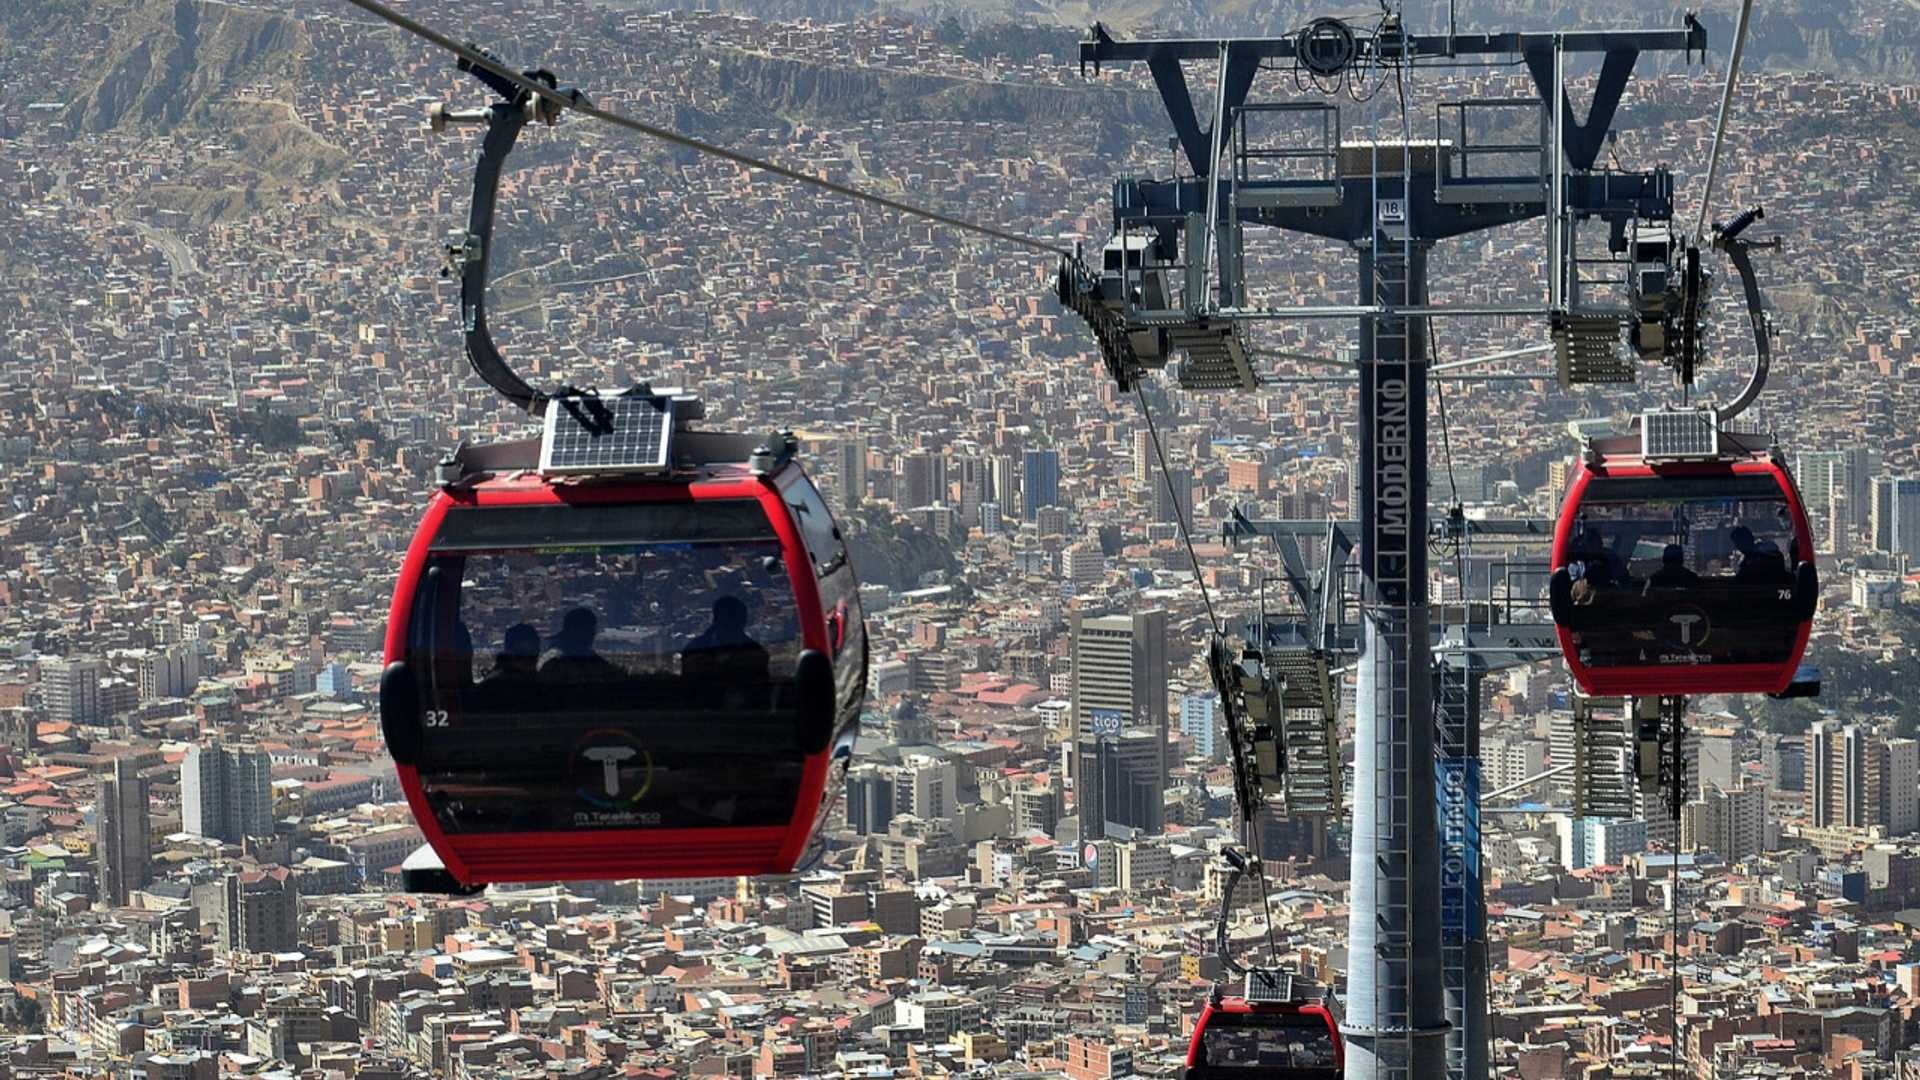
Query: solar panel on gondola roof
x=1679, y=435
x=1266, y=984
x=591, y=434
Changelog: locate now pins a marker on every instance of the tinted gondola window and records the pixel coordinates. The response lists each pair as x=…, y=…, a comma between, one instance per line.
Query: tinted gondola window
x=817, y=529
x=1683, y=571
x=1283, y=1041
x=619, y=678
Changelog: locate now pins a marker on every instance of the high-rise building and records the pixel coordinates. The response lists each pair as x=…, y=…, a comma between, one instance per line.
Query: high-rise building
x=1121, y=784
x=1174, y=505
x=850, y=455
x=1573, y=842
x=1899, y=802
x=1840, y=535
x=926, y=787
x=1562, y=737
x=169, y=672
x=1082, y=564
x=1650, y=810
x=70, y=689
x=226, y=792
x=1006, y=482
x=1197, y=723
x=1820, y=474
x=1036, y=806
x=1893, y=514
x=1510, y=763
x=334, y=681
x=1142, y=864
x=1836, y=486
x=1863, y=464
x=1039, y=482
x=1783, y=761
x=991, y=521
x=1732, y=823
x=262, y=911
x=1602, y=842
x=936, y=519
x=923, y=479
x=1842, y=790
x=1119, y=677
x=976, y=485
x=869, y=799
x=1719, y=759
x=1559, y=477
x=123, y=832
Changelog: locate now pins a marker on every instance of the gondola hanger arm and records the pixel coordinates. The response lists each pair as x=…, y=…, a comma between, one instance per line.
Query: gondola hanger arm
x=1728, y=238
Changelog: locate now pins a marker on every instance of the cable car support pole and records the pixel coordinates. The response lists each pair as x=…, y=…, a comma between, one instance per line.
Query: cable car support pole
x=1391, y=212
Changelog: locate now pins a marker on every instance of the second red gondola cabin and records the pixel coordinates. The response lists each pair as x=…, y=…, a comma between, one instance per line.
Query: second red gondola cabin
x=1241, y=1039
x=1683, y=576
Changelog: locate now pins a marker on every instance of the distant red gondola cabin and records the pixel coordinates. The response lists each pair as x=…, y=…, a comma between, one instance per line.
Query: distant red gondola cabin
x=1683, y=575
x=1239, y=1039
x=630, y=649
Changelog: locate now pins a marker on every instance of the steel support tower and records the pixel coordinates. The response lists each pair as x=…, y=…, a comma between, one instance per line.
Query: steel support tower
x=1396, y=1017
x=1392, y=203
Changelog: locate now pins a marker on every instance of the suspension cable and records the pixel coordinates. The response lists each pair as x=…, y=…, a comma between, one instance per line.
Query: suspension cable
x=1260, y=875
x=1673, y=956
x=1179, y=511
x=1676, y=806
x=1720, y=122
x=1213, y=618
x=1446, y=438
x=563, y=101
x=1237, y=870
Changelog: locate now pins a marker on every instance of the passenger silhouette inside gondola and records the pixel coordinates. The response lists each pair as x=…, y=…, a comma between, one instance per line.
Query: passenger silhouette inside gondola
x=515, y=669
x=1673, y=572
x=1760, y=560
x=461, y=662
x=1596, y=566
x=575, y=660
x=724, y=651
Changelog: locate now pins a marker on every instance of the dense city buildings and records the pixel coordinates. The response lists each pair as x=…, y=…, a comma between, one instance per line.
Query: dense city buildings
x=231, y=366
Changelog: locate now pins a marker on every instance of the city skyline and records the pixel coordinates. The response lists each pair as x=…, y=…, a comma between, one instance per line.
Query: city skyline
x=232, y=369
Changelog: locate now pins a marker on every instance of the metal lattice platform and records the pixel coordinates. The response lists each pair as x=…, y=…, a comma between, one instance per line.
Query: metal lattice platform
x=1587, y=349
x=1603, y=778
x=1215, y=357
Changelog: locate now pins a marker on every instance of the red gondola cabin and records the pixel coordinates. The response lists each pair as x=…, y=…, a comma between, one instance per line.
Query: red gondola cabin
x=1238, y=1039
x=631, y=649
x=1683, y=574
